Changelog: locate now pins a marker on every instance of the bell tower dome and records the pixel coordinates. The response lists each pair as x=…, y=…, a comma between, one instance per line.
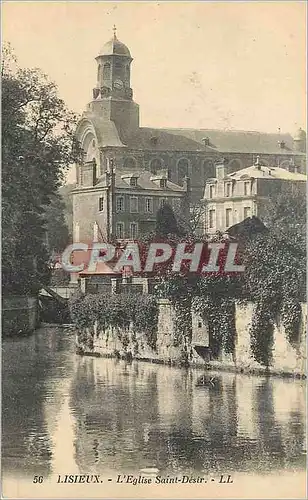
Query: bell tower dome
x=113, y=95
x=113, y=70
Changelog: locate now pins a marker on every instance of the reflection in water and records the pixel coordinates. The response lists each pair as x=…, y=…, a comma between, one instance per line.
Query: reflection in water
x=64, y=413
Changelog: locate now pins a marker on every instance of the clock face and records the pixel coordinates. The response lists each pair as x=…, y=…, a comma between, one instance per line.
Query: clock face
x=118, y=84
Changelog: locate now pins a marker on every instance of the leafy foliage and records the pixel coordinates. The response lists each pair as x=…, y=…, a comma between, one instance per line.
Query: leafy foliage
x=122, y=312
x=57, y=232
x=165, y=221
x=275, y=276
x=37, y=146
x=261, y=334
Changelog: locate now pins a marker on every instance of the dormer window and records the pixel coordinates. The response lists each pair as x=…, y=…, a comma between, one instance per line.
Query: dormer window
x=130, y=179
x=228, y=189
x=154, y=140
x=163, y=183
x=206, y=141
x=282, y=144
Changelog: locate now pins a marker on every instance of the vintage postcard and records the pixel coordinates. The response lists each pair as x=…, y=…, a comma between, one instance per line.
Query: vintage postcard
x=154, y=311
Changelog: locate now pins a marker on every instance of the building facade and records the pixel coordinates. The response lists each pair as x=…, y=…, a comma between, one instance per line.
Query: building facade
x=231, y=198
x=124, y=204
x=109, y=130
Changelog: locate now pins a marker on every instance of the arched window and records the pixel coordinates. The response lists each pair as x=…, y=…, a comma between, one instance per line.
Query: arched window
x=156, y=165
x=99, y=73
x=182, y=168
x=106, y=71
x=129, y=163
x=117, y=69
x=209, y=170
x=127, y=72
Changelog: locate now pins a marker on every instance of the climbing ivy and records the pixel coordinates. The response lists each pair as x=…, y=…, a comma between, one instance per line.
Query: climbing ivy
x=261, y=334
x=291, y=320
x=98, y=313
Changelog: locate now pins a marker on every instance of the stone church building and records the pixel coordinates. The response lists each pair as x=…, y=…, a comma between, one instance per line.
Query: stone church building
x=110, y=133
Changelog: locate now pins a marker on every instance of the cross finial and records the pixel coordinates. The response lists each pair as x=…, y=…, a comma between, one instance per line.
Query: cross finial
x=114, y=29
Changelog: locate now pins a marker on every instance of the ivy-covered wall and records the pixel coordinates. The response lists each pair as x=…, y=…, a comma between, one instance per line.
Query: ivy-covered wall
x=153, y=329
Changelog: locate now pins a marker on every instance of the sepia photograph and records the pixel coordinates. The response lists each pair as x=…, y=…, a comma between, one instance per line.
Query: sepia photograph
x=154, y=306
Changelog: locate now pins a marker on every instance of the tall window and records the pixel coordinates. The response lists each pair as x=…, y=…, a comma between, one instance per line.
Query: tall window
x=228, y=189
x=120, y=230
x=212, y=214
x=129, y=163
x=247, y=212
x=118, y=69
x=133, y=202
x=228, y=217
x=208, y=170
x=149, y=205
x=133, y=230
x=163, y=201
x=246, y=188
x=156, y=165
x=120, y=204
x=101, y=204
x=182, y=170
x=211, y=191
x=106, y=71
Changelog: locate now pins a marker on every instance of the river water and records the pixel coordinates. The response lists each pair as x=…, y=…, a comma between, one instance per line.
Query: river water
x=65, y=413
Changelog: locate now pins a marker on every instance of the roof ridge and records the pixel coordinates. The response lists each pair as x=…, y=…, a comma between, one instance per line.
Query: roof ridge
x=218, y=130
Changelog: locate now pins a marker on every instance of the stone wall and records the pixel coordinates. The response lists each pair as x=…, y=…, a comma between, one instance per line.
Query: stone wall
x=19, y=315
x=286, y=359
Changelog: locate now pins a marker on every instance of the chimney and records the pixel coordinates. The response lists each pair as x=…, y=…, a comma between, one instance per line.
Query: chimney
x=187, y=185
x=221, y=171
x=206, y=141
x=257, y=163
x=154, y=140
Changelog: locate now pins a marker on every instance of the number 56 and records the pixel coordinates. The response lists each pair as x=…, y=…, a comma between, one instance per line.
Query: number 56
x=38, y=479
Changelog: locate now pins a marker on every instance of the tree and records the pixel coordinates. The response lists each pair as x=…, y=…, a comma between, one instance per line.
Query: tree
x=275, y=276
x=196, y=219
x=66, y=195
x=166, y=221
x=37, y=146
x=57, y=231
x=276, y=259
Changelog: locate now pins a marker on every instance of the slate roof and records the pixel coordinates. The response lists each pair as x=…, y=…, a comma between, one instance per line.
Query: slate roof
x=114, y=47
x=219, y=141
x=264, y=172
x=238, y=141
x=144, y=138
x=143, y=182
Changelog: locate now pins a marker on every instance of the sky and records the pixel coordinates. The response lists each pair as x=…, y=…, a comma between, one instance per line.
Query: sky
x=223, y=65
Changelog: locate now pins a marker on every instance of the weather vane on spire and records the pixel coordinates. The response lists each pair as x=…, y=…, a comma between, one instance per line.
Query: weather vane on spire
x=114, y=29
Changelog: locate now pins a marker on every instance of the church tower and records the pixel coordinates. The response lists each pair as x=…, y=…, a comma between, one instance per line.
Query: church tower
x=113, y=95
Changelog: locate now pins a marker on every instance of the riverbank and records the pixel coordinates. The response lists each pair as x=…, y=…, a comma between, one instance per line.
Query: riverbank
x=286, y=359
